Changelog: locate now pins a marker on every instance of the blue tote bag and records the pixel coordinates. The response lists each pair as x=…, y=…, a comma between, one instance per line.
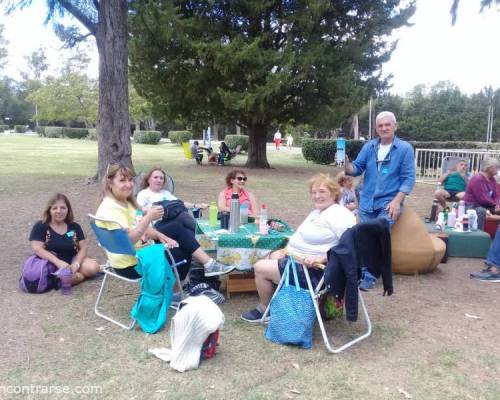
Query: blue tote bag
x=292, y=312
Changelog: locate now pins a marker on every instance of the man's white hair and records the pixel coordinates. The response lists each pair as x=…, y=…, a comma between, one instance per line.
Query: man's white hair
x=385, y=114
x=489, y=162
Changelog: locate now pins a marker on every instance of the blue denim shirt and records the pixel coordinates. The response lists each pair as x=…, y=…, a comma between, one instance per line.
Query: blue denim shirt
x=396, y=173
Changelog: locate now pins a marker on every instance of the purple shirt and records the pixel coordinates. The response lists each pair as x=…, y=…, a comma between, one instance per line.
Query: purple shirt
x=481, y=190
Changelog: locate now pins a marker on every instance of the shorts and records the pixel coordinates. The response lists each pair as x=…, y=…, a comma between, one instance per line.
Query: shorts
x=453, y=193
x=314, y=273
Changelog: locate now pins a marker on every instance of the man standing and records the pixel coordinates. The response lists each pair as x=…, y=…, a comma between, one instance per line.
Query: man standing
x=389, y=166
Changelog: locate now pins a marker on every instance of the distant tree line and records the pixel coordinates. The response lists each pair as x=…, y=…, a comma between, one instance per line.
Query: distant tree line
x=441, y=112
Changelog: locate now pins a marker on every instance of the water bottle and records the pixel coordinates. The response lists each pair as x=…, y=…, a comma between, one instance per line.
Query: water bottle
x=138, y=218
x=440, y=221
x=212, y=214
x=445, y=216
x=234, y=215
x=472, y=220
x=244, y=214
x=434, y=210
x=452, y=218
x=66, y=276
x=461, y=209
x=263, y=228
x=340, y=153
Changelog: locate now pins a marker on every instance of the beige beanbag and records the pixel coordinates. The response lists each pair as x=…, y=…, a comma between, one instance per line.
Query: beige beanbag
x=413, y=248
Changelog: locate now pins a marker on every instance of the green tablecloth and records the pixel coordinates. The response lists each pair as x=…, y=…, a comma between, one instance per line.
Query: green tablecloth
x=242, y=249
x=465, y=244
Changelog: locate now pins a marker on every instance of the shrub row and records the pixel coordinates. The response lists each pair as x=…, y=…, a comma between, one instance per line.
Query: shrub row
x=234, y=140
x=4, y=128
x=92, y=134
x=147, y=137
x=20, y=128
x=179, y=137
x=61, y=131
x=322, y=151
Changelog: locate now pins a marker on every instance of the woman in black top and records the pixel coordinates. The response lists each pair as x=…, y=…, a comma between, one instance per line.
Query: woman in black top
x=60, y=240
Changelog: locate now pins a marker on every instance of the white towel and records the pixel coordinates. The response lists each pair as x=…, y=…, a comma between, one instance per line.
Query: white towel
x=193, y=323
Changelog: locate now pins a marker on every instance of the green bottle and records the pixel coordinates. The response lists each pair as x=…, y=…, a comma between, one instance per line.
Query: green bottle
x=212, y=215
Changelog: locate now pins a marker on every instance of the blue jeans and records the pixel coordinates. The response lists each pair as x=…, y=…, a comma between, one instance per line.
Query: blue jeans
x=493, y=257
x=380, y=213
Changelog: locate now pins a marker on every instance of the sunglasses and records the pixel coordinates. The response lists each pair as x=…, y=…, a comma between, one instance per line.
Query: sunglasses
x=242, y=178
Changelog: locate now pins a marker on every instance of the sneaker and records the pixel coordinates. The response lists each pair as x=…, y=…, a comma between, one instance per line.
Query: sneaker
x=367, y=281
x=490, y=274
x=176, y=299
x=217, y=268
x=254, y=316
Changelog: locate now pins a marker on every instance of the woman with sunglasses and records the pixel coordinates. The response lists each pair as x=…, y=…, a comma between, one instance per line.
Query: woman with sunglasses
x=235, y=183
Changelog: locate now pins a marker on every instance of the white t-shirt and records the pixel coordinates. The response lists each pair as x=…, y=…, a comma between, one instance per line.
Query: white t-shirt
x=277, y=135
x=146, y=197
x=383, y=150
x=320, y=231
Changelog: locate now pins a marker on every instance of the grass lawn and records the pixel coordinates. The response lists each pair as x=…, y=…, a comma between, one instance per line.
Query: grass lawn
x=425, y=344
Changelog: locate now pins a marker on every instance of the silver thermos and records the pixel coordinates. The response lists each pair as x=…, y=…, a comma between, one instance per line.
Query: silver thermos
x=234, y=216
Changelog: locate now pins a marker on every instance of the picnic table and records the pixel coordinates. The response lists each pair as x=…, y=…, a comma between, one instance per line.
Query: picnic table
x=242, y=249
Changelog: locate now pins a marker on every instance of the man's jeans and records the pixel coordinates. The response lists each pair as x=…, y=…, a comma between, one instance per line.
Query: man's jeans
x=493, y=257
x=380, y=213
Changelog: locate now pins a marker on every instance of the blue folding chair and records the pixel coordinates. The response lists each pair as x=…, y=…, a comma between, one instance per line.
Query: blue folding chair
x=117, y=241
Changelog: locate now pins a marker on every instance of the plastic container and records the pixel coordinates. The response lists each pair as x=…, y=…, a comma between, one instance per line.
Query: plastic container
x=263, y=227
x=340, y=153
x=461, y=209
x=244, y=214
x=66, y=276
x=212, y=214
x=465, y=223
x=234, y=216
x=472, y=215
x=452, y=218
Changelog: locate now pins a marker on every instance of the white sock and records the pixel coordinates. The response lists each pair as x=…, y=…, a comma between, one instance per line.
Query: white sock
x=209, y=263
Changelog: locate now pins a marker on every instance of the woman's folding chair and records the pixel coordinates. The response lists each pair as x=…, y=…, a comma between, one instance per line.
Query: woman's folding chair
x=117, y=241
x=315, y=295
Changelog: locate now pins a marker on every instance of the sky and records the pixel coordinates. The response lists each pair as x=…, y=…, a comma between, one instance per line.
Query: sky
x=429, y=51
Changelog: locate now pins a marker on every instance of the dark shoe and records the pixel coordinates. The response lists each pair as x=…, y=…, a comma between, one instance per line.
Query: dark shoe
x=489, y=274
x=254, y=316
x=217, y=268
x=176, y=299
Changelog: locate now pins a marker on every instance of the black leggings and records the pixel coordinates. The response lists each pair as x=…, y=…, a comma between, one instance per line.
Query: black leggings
x=181, y=229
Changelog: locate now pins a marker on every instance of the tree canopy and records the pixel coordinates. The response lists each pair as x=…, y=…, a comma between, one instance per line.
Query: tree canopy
x=260, y=62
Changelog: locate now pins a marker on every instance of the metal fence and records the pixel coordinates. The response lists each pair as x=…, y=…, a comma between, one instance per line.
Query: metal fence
x=428, y=162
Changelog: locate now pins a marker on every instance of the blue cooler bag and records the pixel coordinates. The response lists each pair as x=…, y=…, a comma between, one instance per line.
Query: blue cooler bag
x=292, y=312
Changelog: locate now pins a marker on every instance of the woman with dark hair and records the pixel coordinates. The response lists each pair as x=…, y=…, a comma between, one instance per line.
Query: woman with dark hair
x=235, y=183
x=60, y=240
x=120, y=205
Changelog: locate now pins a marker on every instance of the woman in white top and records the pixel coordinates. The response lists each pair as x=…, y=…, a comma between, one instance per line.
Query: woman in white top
x=181, y=228
x=320, y=231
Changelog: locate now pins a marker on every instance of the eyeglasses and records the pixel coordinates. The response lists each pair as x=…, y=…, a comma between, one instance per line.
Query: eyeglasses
x=242, y=178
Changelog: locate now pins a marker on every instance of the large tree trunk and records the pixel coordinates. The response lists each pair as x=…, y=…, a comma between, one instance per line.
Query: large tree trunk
x=113, y=127
x=257, y=157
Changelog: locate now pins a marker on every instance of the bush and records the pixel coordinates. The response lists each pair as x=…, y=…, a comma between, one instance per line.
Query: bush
x=20, y=128
x=54, y=131
x=179, y=137
x=75, y=133
x=92, y=134
x=4, y=128
x=40, y=129
x=234, y=140
x=322, y=151
x=147, y=137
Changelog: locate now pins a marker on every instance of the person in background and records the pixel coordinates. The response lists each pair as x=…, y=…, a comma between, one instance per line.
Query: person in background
x=388, y=164
x=289, y=141
x=224, y=153
x=277, y=139
x=320, y=231
x=481, y=193
x=196, y=152
x=454, y=182
x=347, y=193
x=59, y=239
x=235, y=183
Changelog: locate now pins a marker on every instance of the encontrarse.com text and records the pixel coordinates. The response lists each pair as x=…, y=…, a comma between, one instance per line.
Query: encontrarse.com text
x=49, y=389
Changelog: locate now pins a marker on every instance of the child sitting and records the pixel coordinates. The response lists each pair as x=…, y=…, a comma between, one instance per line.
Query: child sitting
x=347, y=193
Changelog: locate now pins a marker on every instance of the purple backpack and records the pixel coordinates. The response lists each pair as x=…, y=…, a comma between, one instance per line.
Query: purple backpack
x=37, y=275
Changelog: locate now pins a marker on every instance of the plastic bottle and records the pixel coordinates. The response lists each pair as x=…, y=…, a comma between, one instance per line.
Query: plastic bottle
x=472, y=220
x=465, y=223
x=452, y=218
x=212, y=214
x=234, y=215
x=440, y=221
x=66, y=276
x=461, y=209
x=263, y=228
x=340, y=153
x=445, y=216
x=138, y=218
x=434, y=210
x=244, y=214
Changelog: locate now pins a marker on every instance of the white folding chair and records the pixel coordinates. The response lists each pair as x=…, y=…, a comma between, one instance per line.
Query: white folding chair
x=315, y=295
x=117, y=241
